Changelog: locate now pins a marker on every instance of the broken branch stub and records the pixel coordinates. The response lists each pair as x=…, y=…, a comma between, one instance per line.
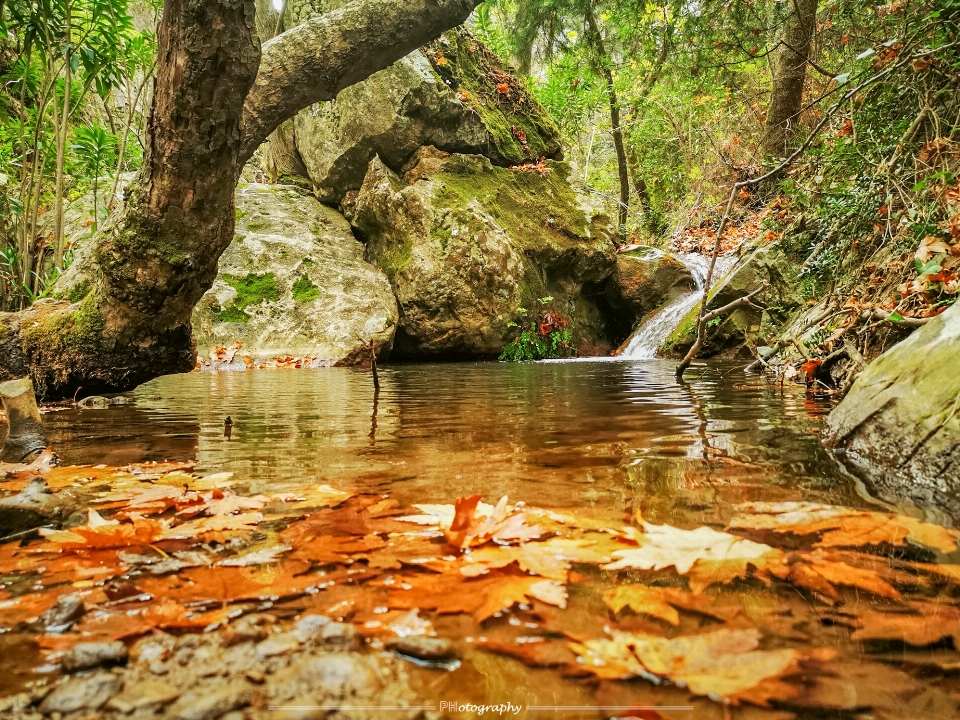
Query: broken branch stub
x=25, y=436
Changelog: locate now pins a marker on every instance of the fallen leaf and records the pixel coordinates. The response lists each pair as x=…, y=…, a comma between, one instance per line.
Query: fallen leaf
x=533, y=650
x=816, y=572
x=513, y=590
x=643, y=600
x=312, y=496
x=925, y=624
x=106, y=534
x=843, y=527
x=722, y=664
x=705, y=555
x=503, y=524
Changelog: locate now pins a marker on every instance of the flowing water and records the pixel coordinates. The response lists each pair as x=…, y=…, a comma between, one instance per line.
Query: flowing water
x=647, y=338
x=608, y=438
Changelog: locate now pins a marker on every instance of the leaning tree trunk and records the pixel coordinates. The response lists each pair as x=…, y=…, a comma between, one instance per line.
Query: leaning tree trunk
x=789, y=75
x=124, y=317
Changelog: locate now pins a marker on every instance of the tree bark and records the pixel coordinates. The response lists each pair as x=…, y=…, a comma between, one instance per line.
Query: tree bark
x=789, y=75
x=124, y=316
x=623, y=172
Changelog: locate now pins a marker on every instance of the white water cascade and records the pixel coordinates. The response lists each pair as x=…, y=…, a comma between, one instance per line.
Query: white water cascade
x=651, y=334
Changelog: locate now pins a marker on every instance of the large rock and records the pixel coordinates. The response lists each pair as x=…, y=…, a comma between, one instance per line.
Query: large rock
x=466, y=244
x=294, y=282
x=455, y=95
x=899, y=426
x=644, y=279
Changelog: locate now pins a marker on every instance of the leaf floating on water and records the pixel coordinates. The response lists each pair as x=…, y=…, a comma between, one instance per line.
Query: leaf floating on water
x=513, y=590
x=705, y=555
x=924, y=624
x=820, y=573
x=550, y=559
x=533, y=650
x=658, y=602
x=722, y=664
x=843, y=527
x=504, y=524
x=312, y=496
x=106, y=533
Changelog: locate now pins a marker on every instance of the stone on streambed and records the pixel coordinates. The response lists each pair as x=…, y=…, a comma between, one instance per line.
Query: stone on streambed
x=899, y=426
x=36, y=506
x=81, y=693
x=466, y=243
x=294, y=282
x=443, y=95
x=87, y=655
x=645, y=278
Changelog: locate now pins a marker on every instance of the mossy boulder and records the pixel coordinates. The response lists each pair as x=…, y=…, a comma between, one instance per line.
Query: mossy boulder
x=466, y=243
x=294, y=282
x=645, y=278
x=899, y=426
x=454, y=95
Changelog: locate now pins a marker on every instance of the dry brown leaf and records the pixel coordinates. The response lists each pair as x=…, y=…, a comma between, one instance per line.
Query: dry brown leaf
x=513, y=590
x=928, y=623
x=722, y=664
x=843, y=527
x=643, y=600
x=705, y=555
x=504, y=524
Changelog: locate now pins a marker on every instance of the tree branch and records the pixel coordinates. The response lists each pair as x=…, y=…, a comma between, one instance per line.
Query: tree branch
x=316, y=60
x=745, y=300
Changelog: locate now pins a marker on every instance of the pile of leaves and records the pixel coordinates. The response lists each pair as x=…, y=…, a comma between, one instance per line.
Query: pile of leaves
x=740, y=615
x=937, y=262
x=745, y=231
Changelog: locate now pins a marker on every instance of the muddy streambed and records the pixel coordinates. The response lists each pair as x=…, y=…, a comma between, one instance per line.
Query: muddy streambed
x=616, y=445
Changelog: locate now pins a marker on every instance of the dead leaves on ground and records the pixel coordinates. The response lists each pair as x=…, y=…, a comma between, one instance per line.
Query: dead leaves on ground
x=167, y=549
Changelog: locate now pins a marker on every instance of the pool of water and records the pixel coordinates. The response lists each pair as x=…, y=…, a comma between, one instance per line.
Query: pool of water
x=565, y=434
x=613, y=436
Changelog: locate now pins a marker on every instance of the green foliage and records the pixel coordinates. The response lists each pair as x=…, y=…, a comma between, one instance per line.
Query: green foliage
x=61, y=66
x=547, y=336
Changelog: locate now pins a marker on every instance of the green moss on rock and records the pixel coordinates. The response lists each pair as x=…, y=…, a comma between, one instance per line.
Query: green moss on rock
x=520, y=128
x=304, y=290
x=252, y=289
x=536, y=210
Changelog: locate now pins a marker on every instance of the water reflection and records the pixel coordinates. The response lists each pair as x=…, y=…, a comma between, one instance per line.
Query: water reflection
x=563, y=434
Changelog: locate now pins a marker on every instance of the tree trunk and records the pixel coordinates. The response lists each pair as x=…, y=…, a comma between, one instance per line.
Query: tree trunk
x=603, y=66
x=62, y=144
x=789, y=74
x=125, y=313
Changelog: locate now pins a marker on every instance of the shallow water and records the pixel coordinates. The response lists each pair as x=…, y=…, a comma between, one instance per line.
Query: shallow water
x=611, y=436
x=564, y=434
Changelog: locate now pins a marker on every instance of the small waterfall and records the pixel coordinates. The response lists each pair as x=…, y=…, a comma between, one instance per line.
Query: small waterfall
x=651, y=334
